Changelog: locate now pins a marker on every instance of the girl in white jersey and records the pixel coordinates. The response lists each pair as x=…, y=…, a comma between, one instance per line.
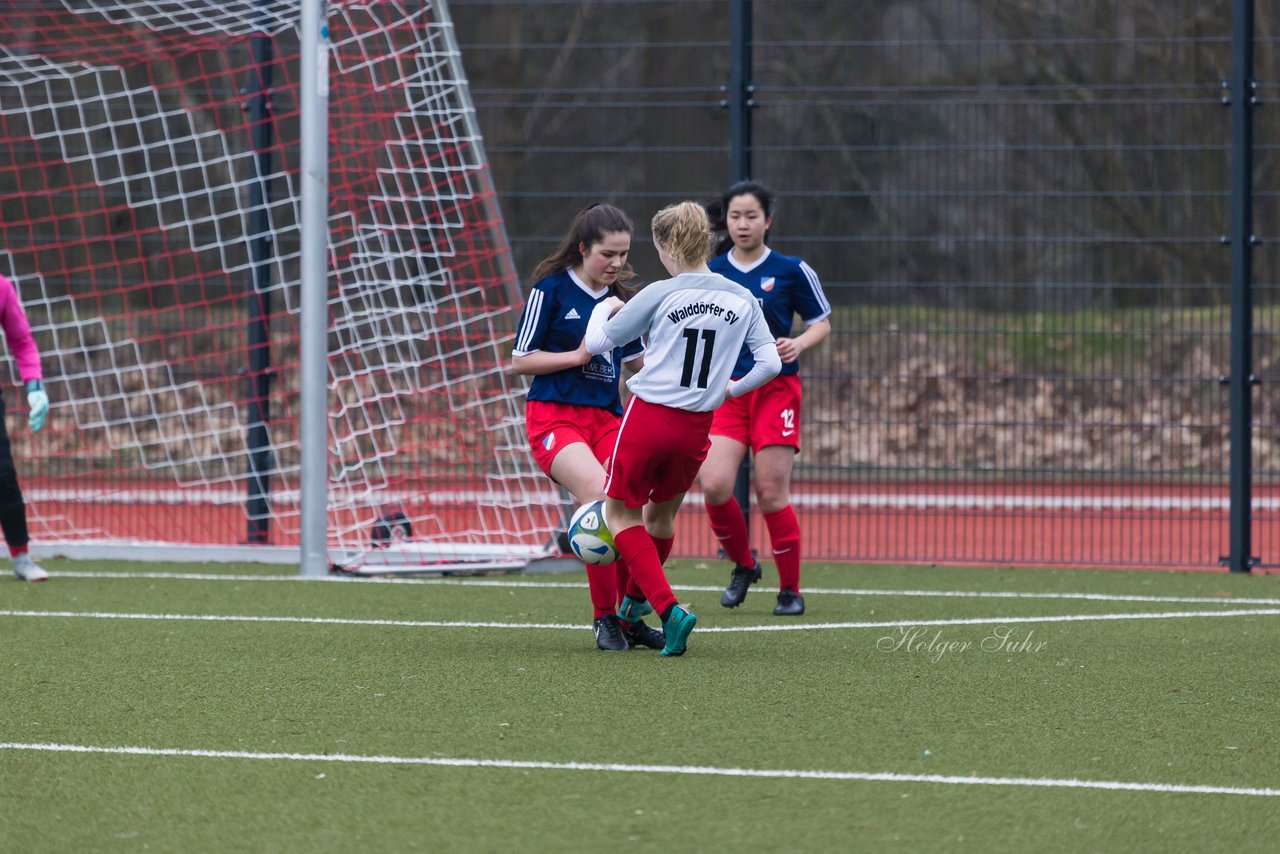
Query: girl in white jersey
x=695, y=324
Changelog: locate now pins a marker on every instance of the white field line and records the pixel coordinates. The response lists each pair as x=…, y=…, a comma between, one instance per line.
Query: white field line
x=699, y=588
x=617, y=768
x=314, y=621
x=785, y=627
x=806, y=496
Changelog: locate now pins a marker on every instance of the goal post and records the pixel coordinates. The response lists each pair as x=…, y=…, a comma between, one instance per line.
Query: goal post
x=313, y=53
x=136, y=221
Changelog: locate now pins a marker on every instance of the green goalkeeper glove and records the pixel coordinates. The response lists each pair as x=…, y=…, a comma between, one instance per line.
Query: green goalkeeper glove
x=38, y=400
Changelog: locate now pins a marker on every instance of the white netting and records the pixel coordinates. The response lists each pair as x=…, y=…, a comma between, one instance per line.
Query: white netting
x=127, y=183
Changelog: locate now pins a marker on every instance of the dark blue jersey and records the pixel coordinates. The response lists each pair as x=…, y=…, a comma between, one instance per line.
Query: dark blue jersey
x=554, y=321
x=785, y=287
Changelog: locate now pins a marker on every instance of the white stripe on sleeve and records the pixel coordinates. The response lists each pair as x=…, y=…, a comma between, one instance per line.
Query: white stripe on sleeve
x=816, y=286
x=532, y=315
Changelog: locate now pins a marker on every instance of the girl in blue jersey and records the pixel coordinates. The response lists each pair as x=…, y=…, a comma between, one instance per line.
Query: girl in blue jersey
x=768, y=419
x=574, y=407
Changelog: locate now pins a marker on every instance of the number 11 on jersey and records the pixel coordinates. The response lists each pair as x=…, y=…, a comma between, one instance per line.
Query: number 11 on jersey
x=691, y=356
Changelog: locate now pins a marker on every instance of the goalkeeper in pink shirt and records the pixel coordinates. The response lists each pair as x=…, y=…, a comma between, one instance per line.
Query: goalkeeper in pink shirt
x=13, y=510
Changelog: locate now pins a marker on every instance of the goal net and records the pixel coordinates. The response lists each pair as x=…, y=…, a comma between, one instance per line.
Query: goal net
x=149, y=210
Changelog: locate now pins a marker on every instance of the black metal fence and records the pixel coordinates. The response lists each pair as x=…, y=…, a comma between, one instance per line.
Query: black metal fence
x=1022, y=213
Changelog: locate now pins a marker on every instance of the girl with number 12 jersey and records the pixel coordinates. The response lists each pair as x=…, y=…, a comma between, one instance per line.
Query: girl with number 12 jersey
x=767, y=421
x=694, y=323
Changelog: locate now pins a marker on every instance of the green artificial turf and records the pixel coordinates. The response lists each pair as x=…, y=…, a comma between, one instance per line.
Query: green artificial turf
x=513, y=677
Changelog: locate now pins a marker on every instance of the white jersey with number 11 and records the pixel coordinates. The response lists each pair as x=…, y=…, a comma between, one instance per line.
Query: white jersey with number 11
x=695, y=324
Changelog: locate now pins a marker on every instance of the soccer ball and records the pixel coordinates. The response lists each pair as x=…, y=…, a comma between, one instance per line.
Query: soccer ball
x=589, y=535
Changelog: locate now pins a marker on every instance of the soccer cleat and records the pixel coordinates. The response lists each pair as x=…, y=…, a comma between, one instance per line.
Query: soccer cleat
x=742, y=578
x=609, y=635
x=25, y=569
x=790, y=604
x=677, y=626
x=638, y=635
x=632, y=610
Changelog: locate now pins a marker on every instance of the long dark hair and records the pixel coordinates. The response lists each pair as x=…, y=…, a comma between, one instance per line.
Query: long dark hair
x=720, y=239
x=747, y=188
x=718, y=210
x=589, y=228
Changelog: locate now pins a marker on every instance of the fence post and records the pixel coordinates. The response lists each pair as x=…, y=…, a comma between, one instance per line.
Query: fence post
x=258, y=302
x=741, y=101
x=1241, y=380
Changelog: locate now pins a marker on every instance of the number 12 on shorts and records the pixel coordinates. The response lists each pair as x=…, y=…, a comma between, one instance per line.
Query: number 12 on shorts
x=788, y=422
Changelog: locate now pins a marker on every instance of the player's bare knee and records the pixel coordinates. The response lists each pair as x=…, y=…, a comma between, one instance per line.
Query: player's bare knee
x=771, y=498
x=716, y=494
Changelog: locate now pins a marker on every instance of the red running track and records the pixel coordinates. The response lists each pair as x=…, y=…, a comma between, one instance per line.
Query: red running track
x=1175, y=527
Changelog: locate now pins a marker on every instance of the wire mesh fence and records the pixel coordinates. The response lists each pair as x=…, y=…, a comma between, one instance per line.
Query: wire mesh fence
x=1018, y=211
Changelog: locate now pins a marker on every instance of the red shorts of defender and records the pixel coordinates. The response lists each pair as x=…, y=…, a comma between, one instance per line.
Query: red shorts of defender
x=554, y=426
x=658, y=454
x=770, y=415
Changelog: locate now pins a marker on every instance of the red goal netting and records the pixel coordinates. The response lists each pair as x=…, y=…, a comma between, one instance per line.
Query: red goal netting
x=149, y=192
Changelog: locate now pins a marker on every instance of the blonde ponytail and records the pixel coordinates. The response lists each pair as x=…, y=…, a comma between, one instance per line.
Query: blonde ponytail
x=684, y=231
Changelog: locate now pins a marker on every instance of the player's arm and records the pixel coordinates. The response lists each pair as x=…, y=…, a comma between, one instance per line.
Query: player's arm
x=22, y=345
x=768, y=362
x=810, y=302
x=17, y=332
x=527, y=356
x=597, y=340
x=633, y=356
x=814, y=334
x=539, y=362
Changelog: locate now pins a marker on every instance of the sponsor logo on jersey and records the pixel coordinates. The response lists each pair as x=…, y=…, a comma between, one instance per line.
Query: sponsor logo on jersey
x=549, y=441
x=767, y=283
x=573, y=315
x=599, y=368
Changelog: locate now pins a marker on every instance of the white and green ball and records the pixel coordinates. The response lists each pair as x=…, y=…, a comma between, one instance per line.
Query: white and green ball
x=589, y=535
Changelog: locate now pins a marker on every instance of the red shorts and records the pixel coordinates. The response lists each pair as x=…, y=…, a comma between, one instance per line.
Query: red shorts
x=658, y=454
x=553, y=426
x=770, y=415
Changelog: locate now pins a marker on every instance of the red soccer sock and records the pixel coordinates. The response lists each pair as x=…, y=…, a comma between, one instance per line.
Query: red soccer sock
x=624, y=579
x=14, y=551
x=663, y=545
x=730, y=528
x=637, y=548
x=784, y=535
x=602, y=582
x=626, y=584
x=632, y=589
